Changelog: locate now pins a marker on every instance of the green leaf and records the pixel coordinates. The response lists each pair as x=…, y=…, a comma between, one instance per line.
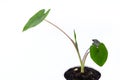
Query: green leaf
x=75, y=36
x=99, y=54
x=36, y=19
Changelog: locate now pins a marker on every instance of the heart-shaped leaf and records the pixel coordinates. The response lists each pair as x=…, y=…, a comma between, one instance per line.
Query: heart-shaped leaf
x=36, y=19
x=99, y=54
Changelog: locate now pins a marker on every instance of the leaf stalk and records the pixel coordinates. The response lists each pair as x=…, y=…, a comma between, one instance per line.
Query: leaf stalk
x=82, y=62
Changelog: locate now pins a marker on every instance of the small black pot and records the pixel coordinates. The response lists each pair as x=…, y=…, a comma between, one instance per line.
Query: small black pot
x=75, y=74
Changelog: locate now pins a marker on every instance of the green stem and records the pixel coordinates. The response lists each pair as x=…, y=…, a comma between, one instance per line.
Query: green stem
x=77, y=48
x=82, y=66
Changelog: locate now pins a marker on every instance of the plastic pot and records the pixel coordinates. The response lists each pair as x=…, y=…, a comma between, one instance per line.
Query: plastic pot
x=75, y=74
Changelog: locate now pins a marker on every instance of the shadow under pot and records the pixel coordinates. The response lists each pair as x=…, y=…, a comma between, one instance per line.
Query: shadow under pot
x=75, y=74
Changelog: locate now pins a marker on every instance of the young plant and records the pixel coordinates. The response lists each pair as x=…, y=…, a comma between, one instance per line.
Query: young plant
x=98, y=51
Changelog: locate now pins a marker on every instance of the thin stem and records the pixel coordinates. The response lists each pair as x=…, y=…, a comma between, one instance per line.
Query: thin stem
x=77, y=48
x=83, y=60
x=61, y=31
x=74, y=43
x=85, y=56
x=82, y=65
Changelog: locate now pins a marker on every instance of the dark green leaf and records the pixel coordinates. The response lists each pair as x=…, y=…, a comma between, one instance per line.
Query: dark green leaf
x=36, y=19
x=99, y=54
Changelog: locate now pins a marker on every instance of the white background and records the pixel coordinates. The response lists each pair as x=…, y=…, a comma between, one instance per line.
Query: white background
x=44, y=53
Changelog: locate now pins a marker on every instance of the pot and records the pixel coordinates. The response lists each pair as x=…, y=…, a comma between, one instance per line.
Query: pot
x=75, y=74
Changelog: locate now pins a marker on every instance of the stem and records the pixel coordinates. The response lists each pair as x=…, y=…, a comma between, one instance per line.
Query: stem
x=61, y=31
x=85, y=56
x=82, y=66
x=82, y=69
x=74, y=43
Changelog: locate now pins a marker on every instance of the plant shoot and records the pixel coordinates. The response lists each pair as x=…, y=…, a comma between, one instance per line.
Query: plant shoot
x=98, y=51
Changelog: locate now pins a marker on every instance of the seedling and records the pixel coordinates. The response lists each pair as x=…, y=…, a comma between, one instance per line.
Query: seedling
x=98, y=51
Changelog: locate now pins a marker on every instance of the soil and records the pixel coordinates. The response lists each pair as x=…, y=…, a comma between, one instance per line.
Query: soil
x=75, y=74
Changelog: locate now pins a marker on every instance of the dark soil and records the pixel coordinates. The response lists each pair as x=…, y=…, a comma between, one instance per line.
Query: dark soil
x=75, y=74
